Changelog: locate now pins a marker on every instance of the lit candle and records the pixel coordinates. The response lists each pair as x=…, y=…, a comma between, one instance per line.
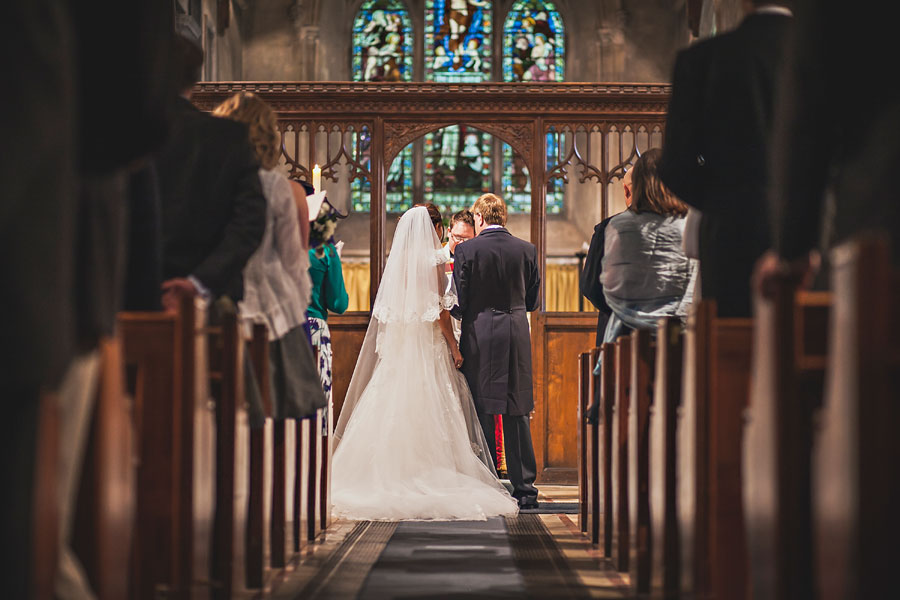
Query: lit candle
x=317, y=178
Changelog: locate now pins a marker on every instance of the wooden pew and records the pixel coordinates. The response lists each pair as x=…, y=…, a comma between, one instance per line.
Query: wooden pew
x=639, y=398
x=301, y=494
x=232, y=456
x=165, y=358
x=257, y=526
x=788, y=378
x=104, y=517
x=281, y=545
x=584, y=400
x=621, y=548
x=44, y=526
x=594, y=459
x=589, y=450
x=665, y=567
x=313, y=466
x=607, y=403
x=716, y=393
x=856, y=488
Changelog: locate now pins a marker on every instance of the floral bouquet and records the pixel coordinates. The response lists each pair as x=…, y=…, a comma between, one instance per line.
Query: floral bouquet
x=323, y=224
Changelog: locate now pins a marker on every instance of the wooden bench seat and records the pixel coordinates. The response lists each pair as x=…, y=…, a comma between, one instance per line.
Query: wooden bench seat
x=621, y=527
x=855, y=484
x=640, y=397
x=665, y=556
x=104, y=517
x=788, y=378
x=589, y=450
x=232, y=456
x=710, y=432
x=607, y=426
x=165, y=359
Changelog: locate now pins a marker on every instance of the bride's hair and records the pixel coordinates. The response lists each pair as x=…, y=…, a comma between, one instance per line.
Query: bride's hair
x=433, y=212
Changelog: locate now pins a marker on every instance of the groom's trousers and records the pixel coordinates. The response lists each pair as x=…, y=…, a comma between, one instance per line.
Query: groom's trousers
x=520, y=463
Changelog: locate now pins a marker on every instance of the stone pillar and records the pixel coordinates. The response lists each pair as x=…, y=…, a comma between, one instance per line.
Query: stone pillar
x=309, y=54
x=611, y=50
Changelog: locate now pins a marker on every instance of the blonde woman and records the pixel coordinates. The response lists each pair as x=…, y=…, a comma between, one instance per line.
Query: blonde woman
x=276, y=279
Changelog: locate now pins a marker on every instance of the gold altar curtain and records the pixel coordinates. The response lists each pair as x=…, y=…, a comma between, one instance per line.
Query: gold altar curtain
x=561, y=287
x=356, y=280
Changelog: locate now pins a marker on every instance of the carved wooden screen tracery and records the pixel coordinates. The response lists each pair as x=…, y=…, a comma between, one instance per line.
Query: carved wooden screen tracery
x=360, y=127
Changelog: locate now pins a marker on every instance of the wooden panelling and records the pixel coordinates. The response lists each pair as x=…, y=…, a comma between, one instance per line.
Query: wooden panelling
x=347, y=334
x=557, y=340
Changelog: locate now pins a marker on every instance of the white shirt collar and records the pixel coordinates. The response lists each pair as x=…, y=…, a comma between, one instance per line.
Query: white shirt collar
x=493, y=227
x=774, y=10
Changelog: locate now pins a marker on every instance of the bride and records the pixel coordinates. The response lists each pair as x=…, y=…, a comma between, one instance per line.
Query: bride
x=408, y=442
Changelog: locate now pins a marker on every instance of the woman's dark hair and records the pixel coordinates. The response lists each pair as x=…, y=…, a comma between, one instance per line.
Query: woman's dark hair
x=433, y=213
x=650, y=193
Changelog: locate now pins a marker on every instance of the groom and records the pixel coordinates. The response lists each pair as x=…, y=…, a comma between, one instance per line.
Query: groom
x=497, y=281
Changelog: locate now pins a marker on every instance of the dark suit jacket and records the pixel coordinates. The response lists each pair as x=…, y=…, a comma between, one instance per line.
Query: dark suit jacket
x=143, y=275
x=589, y=282
x=497, y=281
x=213, y=209
x=838, y=127
x=715, y=153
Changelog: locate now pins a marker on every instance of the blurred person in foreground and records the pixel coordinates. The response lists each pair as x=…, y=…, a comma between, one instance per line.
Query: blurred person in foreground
x=212, y=204
x=716, y=151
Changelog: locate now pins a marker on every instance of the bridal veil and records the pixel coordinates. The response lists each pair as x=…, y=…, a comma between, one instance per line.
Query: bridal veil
x=402, y=328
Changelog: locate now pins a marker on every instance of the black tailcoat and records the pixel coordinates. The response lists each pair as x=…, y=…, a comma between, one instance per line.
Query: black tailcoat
x=715, y=155
x=497, y=281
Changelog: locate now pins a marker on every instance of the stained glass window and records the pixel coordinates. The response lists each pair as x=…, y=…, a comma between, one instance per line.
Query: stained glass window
x=382, y=42
x=533, y=43
x=457, y=167
x=382, y=51
x=457, y=49
x=458, y=40
x=399, y=179
x=533, y=50
x=517, y=183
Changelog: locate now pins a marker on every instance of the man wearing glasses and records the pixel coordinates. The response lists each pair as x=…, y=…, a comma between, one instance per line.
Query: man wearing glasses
x=462, y=228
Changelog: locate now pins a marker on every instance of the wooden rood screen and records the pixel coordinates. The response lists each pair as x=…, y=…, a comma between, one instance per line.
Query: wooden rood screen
x=354, y=131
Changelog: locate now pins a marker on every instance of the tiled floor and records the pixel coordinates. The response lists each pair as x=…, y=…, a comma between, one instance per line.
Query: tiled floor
x=523, y=557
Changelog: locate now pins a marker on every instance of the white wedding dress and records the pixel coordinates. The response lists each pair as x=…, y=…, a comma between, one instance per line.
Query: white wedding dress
x=408, y=442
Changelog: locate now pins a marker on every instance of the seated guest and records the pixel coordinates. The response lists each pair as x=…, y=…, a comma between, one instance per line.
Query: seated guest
x=589, y=282
x=212, y=206
x=645, y=273
x=276, y=278
x=591, y=288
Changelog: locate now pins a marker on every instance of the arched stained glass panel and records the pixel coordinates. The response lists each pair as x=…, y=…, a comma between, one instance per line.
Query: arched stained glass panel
x=382, y=51
x=382, y=42
x=457, y=167
x=533, y=50
x=458, y=40
x=533, y=43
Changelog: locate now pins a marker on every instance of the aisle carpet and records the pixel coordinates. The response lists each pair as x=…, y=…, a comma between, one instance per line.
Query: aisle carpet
x=498, y=558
